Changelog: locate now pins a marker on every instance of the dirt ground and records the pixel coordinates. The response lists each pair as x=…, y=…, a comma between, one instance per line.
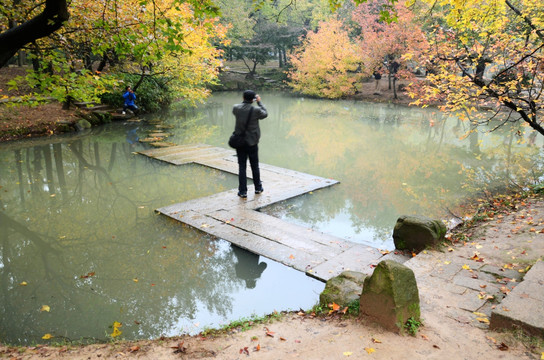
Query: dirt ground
x=305, y=336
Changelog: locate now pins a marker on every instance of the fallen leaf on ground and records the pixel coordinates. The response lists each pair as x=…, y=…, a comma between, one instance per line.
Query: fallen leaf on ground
x=45, y=308
x=257, y=348
x=134, y=348
x=47, y=336
x=24, y=283
x=491, y=339
x=370, y=350
x=376, y=341
x=424, y=337
x=179, y=348
x=347, y=353
x=334, y=307
x=466, y=267
x=502, y=347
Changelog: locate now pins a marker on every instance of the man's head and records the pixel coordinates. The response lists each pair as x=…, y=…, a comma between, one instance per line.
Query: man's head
x=249, y=95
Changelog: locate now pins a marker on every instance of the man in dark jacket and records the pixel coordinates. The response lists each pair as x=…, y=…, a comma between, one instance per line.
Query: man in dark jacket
x=252, y=135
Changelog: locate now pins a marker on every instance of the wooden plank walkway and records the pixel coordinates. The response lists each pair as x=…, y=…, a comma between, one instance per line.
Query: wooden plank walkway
x=237, y=220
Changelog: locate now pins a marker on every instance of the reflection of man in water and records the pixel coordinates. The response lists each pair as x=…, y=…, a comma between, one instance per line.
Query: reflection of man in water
x=248, y=267
x=132, y=136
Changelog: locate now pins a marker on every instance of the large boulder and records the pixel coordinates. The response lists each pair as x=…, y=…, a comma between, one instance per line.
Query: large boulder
x=416, y=233
x=390, y=296
x=343, y=289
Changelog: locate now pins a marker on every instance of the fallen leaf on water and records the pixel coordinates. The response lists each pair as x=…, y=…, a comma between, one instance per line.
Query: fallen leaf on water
x=45, y=308
x=369, y=350
x=47, y=336
x=116, y=332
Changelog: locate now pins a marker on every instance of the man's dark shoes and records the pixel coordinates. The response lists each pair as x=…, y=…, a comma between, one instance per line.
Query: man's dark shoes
x=259, y=190
x=243, y=195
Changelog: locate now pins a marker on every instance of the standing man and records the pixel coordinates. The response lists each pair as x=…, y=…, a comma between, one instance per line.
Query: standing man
x=129, y=97
x=249, y=123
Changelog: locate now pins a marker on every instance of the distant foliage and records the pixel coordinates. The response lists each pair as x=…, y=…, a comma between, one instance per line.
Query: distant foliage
x=326, y=64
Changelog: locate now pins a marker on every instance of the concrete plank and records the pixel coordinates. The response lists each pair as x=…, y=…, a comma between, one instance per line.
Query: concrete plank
x=280, y=231
x=157, y=152
x=183, y=158
x=296, y=258
x=359, y=258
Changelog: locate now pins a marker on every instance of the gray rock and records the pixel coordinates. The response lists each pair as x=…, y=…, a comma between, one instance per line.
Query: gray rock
x=390, y=296
x=82, y=124
x=416, y=233
x=343, y=289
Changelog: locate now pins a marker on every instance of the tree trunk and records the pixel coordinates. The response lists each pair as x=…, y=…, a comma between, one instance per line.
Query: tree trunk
x=50, y=20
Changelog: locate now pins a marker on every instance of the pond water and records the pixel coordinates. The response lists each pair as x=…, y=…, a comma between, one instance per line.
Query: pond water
x=80, y=234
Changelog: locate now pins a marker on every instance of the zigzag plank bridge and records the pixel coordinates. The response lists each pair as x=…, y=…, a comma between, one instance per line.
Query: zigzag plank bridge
x=320, y=255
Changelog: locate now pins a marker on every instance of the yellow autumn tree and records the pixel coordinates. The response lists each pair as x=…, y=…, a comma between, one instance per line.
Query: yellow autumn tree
x=326, y=63
x=102, y=42
x=485, y=55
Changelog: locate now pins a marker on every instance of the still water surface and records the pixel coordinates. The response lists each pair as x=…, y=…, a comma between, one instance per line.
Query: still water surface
x=80, y=235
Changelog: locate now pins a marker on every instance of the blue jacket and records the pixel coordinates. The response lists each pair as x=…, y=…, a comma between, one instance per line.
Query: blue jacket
x=129, y=98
